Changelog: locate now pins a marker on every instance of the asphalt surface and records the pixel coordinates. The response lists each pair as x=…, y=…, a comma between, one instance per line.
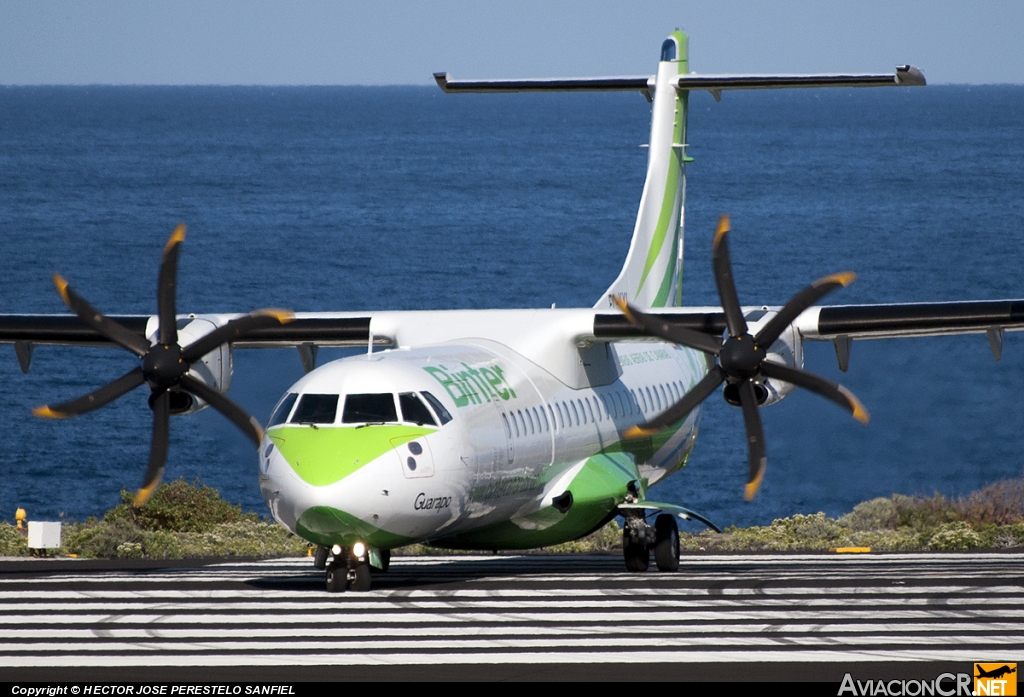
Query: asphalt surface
x=551, y=618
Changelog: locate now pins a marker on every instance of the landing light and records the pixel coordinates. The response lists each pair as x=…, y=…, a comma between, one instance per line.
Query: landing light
x=336, y=550
x=358, y=550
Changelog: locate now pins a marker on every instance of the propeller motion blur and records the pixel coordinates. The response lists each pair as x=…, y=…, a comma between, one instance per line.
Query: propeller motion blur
x=507, y=429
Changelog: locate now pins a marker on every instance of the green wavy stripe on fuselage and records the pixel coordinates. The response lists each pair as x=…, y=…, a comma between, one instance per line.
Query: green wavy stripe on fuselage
x=329, y=526
x=598, y=488
x=325, y=455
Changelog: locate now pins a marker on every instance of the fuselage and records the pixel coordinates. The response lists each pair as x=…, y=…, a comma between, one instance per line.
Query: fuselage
x=470, y=444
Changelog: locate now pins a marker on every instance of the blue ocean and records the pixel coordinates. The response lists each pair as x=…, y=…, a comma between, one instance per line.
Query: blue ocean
x=356, y=198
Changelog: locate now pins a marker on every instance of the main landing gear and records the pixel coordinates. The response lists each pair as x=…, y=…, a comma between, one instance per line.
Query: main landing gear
x=349, y=569
x=639, y=538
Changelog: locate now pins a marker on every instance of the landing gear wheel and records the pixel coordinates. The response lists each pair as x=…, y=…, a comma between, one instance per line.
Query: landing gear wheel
x=636, y=555
x=320, y=557
x=361, y=577
x=337, y=578
x=666, y=545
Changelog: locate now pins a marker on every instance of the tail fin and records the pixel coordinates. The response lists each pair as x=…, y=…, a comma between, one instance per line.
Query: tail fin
x=652, y=274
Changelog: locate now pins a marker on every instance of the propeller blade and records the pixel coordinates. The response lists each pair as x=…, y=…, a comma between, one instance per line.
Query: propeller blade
x=755, y=440
x=234, y=330
x=93, y=318
x=161, y=405
x=236, y=414
x=653, y=326
x=95, y=399
x=819, y=385
x=697, y=394
x=724, y=280
x=800, y=302
x=166, y=287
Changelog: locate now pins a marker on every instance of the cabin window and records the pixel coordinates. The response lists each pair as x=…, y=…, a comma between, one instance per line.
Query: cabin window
x=521, y=421
x=316, y=409
x=664, y=395
x=561, y=418
x=543, y=421
x=283, y=409
x=414, y=410
x=508, y=429
x=650, y=399
x=529, y=419
x=668, y=50
x=590, y=411
x=369, y=408
x=439, y=409
x=551, y=417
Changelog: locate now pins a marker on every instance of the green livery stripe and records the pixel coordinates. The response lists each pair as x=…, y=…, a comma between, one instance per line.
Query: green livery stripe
x=328, y=526
x=596, y=490
x=325, y=455
x=667, y=206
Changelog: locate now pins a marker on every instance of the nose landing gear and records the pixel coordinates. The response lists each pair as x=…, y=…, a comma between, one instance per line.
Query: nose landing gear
x=350, y=568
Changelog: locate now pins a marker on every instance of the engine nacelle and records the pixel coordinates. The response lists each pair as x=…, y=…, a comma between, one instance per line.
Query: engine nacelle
x=788, y=349
x=214, y=369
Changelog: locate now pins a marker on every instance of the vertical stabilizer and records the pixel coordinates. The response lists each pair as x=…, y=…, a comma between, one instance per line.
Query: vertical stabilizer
x=652, y=273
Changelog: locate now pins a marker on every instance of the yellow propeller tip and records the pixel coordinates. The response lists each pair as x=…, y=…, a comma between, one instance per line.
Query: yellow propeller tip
x=176, y=238
x=282, y=316
x=722, y=229
x=753, y=486
x=143, y=495
x=843, y=278
x=638, y=432
x=62, y=287
x=45, y=412
x=858, y=410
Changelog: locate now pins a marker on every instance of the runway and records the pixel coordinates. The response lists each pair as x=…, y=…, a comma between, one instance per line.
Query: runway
x=785, y=617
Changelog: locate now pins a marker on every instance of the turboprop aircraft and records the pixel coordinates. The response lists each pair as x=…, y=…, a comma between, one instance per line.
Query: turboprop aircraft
x=507, y=429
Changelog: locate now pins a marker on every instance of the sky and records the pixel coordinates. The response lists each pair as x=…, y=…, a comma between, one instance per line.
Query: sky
x=316, y=42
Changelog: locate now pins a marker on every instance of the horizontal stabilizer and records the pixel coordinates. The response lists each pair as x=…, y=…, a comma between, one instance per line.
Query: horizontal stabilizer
x=905, y=75
x=570, y=84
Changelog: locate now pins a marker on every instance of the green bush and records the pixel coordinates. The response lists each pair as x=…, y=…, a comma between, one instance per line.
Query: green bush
x=12, y=542
x=1001, y=503
x=178, y=507
x=876, y=514
x=954, y=537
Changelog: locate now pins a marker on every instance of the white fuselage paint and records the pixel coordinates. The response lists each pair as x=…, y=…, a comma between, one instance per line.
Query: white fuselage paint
x=544, y=433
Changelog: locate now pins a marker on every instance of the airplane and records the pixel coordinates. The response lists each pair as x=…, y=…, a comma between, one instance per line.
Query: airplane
x=507, y=429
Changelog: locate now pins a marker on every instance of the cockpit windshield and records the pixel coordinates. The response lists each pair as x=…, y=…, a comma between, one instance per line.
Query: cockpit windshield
x=283, y=409
x=316, y=409
x=414, y=410
x=369, y=408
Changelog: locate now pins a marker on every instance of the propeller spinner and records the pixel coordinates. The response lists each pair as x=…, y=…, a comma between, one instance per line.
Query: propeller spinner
x=741, y=358
x=165, y=364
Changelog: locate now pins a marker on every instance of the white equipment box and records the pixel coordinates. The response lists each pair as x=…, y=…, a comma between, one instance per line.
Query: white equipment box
x=43, y=535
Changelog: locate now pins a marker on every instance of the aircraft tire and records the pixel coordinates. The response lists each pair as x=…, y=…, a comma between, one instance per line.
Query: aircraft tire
x=362, y=581
x=636, y=555
x=320, y=557
x=666, y=545
x=337, y=578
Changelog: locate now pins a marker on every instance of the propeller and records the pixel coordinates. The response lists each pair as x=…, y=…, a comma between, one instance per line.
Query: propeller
x=165, y=363
x=741, y=358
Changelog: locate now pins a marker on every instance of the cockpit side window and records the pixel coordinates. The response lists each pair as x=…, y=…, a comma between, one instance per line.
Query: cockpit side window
x=668, y=50
x=369, y=408
x=284, y=408
x=439, y=409
x=316, y=409
x=415, y=411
